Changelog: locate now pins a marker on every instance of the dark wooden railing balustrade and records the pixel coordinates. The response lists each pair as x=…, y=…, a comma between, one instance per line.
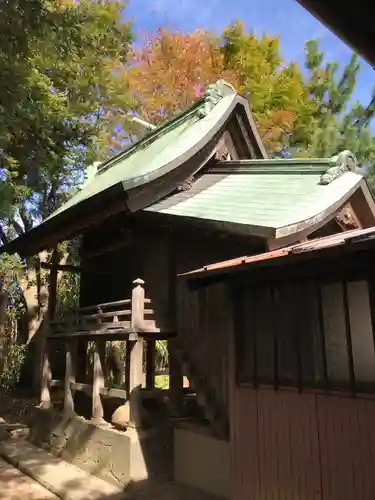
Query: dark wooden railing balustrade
x=131, y=320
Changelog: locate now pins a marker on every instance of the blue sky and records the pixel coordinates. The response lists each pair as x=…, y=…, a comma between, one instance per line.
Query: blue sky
x=285, y=18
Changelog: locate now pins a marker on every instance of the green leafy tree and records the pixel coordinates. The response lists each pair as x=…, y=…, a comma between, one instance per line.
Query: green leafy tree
x=172, y=69
x=59, y=80
x=338, y=123
x=60, y=62
x=278, y=95
x=12, y=354
x=298, y=112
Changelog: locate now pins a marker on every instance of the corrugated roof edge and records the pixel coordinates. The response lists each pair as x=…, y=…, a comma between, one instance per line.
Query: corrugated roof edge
x=347, y=237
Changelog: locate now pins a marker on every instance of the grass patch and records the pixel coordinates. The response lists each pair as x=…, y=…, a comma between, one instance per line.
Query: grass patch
x=162, y=381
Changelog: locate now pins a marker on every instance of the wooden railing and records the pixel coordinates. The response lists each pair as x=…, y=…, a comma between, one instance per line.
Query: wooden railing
x=128, y=316
x=127, y=320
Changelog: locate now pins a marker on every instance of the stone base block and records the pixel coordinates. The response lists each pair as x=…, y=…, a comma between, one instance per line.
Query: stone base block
x=117, y=457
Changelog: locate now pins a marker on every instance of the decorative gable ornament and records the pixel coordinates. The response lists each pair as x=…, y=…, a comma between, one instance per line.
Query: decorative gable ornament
x=343, y=162
x=214, y=93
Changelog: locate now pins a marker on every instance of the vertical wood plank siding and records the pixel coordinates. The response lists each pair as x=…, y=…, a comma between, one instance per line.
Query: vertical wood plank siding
x=291, y=446
x=298, y=444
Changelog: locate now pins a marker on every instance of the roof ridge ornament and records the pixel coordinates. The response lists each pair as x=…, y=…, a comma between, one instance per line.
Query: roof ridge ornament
x=343, y=162
x=214, y=93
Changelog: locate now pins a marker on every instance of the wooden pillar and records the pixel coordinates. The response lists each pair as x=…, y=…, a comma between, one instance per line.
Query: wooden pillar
x=134, y=377
x=135, y=353
x=138, y=304
x=46, y=377
x=135, y=365
x=176, y=379
x=82, y=365
x=98, y=382
x=52, y=286
x=70, y=376
x=150, y=364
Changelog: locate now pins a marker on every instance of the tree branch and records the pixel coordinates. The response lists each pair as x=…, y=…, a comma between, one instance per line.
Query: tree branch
x=17, y=226
x=23, y=214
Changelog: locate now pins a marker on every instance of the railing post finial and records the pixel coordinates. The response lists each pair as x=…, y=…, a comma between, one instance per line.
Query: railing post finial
x=138, y=304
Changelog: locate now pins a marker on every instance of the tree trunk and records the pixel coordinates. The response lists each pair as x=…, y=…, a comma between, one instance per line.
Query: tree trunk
x=3, y=342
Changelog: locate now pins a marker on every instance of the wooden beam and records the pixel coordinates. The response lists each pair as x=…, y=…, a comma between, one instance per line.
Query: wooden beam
x=108, y=249
x=245, y=135
x=61, y=267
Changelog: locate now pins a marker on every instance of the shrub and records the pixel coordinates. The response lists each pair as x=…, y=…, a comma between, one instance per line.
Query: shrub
x=13, y=361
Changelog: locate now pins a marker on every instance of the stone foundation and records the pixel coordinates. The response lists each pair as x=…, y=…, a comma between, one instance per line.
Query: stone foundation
x=201, y=460
x=117, y=457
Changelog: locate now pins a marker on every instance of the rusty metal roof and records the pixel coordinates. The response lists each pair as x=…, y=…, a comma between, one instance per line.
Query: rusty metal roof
x=317, y=244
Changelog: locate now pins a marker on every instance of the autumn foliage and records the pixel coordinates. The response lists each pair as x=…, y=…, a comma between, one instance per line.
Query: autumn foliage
x=171, y=70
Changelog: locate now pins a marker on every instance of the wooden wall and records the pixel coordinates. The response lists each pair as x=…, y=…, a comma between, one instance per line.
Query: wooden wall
x=203, y=315
x=310, y=444
x=155, y=251
x=158, y=254
x=202, y=318
x=288, y=446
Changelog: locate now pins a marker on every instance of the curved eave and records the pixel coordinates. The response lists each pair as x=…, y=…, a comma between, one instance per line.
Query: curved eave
x=273, y=206
x=132, y=194
x=186, y=155
x=300, y=228
x=320, y=218
x=165, y=157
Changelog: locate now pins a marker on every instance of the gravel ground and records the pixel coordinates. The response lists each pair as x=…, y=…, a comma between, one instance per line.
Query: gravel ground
x=14, y=485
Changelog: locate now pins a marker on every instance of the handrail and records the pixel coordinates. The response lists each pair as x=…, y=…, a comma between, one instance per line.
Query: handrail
x=108, y=316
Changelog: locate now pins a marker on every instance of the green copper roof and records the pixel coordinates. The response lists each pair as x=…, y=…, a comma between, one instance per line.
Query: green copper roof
x=271, y=198
x=158, y=152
